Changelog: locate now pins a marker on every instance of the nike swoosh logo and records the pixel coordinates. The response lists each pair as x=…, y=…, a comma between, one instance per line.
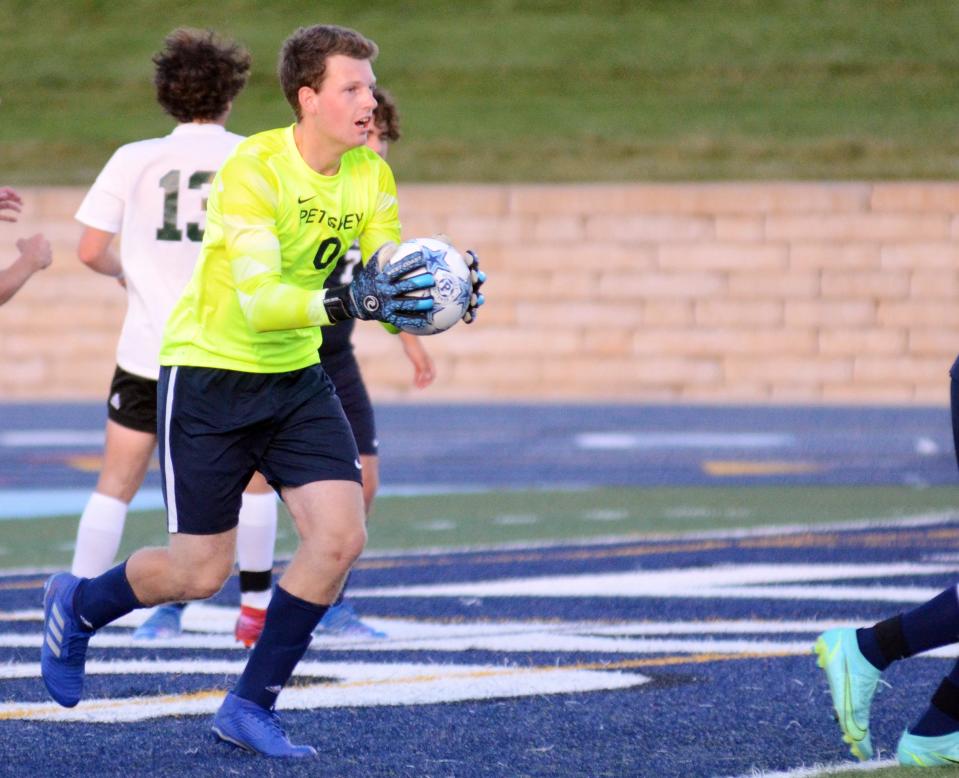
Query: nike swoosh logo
x=920, y=760
x=847, y=706
x=302, y=200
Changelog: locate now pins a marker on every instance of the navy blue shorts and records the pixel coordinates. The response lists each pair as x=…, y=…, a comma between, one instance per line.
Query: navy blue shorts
x=217, y=427
x=344, y=371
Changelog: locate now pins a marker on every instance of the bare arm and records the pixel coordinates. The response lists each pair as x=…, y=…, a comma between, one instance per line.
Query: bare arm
x=94, y=252
x=9, y=201
x=423, y=369
x=35, y=255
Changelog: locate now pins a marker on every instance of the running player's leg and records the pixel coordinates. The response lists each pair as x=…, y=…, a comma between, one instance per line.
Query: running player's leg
x=256, y=537
x=130, y=441
x=853, y=660
x=341, y=619
x=934, y=738
x=208, y=454
x=371, y=475
x=312, y=458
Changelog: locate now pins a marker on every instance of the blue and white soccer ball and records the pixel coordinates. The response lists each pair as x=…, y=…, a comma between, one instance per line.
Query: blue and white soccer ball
x=451, y=295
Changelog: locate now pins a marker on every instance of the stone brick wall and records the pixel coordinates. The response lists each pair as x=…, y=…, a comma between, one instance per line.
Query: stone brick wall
x=791, y=292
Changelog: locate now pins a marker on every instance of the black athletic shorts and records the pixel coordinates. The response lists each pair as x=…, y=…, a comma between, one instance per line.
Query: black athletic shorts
x=219, y=426
x=133, y=401
x=344, y=371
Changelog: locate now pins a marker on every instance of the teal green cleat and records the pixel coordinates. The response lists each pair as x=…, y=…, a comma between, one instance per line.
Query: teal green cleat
x=852, y=683
x=918, y=751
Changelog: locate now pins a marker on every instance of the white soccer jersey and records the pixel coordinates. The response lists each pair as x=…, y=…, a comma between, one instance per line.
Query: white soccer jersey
x=153, y=192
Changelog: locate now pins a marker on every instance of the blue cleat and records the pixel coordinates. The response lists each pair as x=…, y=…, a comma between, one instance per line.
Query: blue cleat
x=919, y=751
x=852, y=684
x=64, y=650
x=341, y=621
x=163, y=623
x=246, y=725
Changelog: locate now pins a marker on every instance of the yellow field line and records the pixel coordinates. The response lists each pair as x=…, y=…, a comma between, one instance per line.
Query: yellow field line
x=12, y=585
x=810, y=539
x=97, y=705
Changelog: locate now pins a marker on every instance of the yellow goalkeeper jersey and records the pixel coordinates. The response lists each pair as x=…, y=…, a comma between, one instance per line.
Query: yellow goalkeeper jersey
x=275, y=230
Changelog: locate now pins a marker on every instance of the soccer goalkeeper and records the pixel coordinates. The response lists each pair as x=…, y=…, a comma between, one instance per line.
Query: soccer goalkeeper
x=241, y=389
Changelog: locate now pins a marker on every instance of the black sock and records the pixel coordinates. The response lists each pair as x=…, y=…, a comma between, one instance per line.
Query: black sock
x=883, y=643
x=930, y=625
x=256, y=580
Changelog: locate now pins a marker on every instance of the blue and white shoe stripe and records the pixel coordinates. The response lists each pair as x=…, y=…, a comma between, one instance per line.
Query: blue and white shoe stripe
x=55, y=630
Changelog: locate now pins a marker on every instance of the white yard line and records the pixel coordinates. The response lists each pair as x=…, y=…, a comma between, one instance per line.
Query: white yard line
x=824, y=769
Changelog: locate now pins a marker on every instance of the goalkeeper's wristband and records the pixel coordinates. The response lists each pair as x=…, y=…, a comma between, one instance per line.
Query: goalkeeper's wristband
x=338, y=304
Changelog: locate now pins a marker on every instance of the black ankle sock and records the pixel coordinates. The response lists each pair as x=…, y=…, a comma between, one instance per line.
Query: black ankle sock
x=883, y=643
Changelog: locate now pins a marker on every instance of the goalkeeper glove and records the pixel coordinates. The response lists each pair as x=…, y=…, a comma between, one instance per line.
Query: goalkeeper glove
x=477, y=279
x=379, y=294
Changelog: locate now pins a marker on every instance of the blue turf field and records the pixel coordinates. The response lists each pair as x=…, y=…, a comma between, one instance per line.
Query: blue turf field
x=685, y=656
x=548, y=445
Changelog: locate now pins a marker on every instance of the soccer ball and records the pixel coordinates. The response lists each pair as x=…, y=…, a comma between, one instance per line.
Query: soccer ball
x=451, y=295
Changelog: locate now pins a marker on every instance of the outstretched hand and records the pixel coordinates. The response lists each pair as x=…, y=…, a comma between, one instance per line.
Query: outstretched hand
x=424, y=371
x=35, y=251
x=9, y=201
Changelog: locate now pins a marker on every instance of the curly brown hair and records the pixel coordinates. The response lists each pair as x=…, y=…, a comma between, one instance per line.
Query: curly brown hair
x=386, y=117
x=198, y=74
x=304, y=54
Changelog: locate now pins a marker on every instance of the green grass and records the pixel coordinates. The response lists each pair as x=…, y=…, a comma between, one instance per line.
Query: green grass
x=459, y=520
x=530, y=90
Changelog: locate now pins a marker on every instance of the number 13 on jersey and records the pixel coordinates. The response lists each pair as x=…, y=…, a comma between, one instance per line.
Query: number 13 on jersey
x=170, y=184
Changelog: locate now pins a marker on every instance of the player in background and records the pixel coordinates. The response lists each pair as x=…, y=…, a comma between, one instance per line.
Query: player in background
x=10, y=200
x=339, y=361
x=154, y=193
x=35, y=253
x=241, y=388
x=854, y=660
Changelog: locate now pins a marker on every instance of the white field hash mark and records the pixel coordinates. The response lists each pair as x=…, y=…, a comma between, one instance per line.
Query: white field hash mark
x=354, y=684
x=723, y=581
x=410, y=683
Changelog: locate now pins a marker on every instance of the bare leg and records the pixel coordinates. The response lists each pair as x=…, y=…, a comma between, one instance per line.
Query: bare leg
x=329, y=518
x=192, y=567
x=371, y=480
x=126, y=458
